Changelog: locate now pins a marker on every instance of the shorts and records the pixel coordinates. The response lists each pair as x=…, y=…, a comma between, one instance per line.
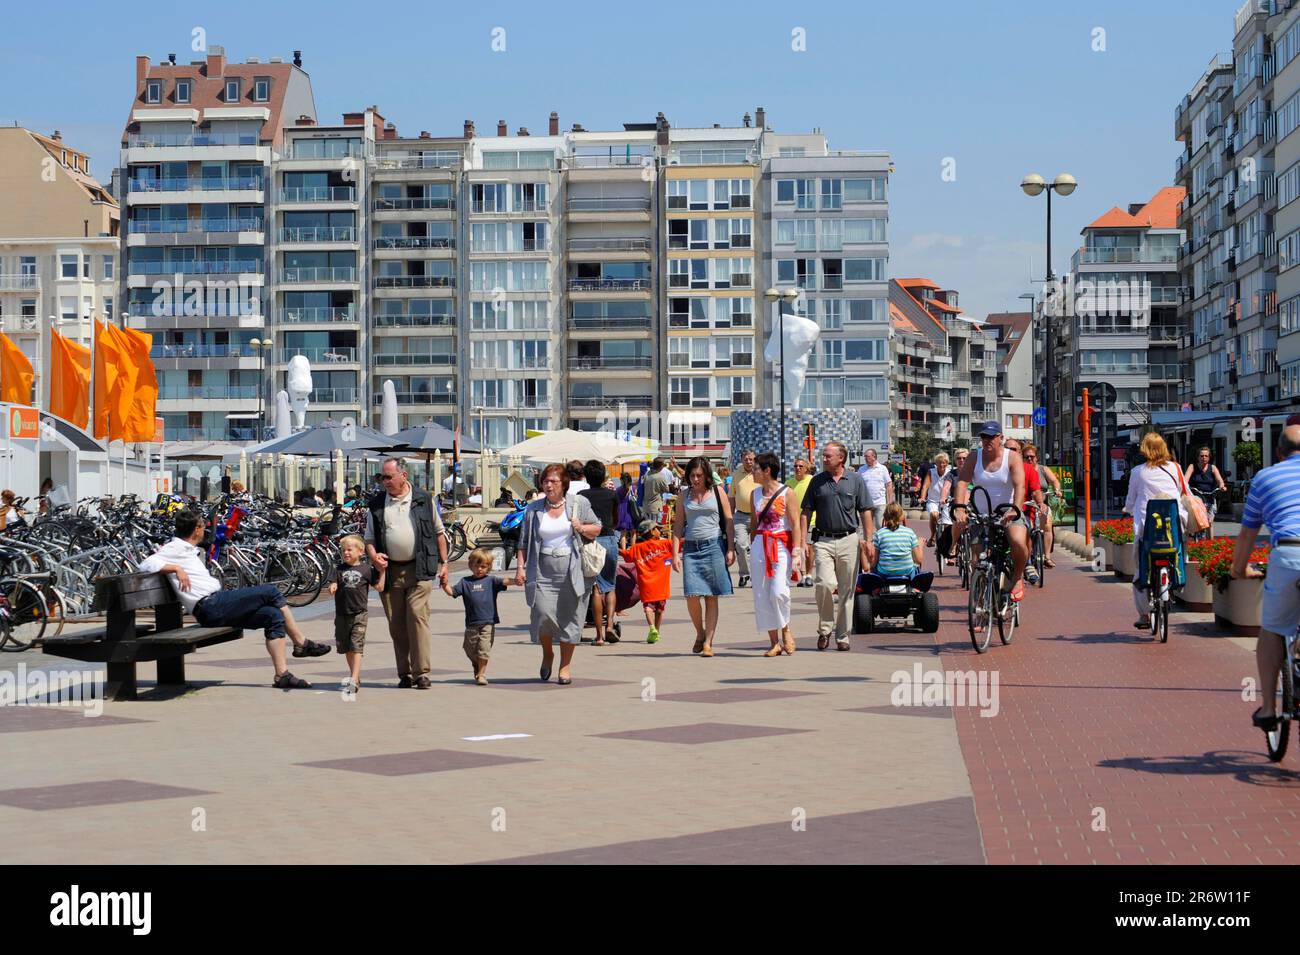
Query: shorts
x=932, y=507
x=1281, y=610
x=655, y=606
x=350, y=632
x=608, y=575
x=478, y=641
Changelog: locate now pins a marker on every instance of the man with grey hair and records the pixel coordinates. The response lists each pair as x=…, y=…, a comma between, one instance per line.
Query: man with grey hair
x=838, y=497
x=880, y=486
x=743, y=484
x=405, y=538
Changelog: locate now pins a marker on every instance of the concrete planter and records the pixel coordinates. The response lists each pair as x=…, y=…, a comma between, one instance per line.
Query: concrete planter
x=1237, y=609
x=1197, y=596
x=1107, y=550
x=1124, y=561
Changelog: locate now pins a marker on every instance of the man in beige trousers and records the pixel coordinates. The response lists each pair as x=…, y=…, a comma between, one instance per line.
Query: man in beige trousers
x=404, y=537
x=842, y=504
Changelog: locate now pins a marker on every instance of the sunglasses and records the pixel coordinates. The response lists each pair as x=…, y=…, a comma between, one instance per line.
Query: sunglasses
x=387, y=477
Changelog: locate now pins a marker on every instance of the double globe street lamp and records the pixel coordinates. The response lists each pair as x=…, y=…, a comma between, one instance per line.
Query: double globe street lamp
x=1034, y=185
x=776, y=295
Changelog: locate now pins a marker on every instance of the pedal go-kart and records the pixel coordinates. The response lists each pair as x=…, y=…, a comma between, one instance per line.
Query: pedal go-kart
x=895, y=598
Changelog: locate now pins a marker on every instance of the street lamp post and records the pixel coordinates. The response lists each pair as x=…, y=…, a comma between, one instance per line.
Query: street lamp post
x=776, y=295
x=1034, y=184
x=260, y=347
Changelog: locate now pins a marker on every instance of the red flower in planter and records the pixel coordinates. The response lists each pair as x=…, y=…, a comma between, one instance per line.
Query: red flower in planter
x=1118, y=531
x=1214, y=559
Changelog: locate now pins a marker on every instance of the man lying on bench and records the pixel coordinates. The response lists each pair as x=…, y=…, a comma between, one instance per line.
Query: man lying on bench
x=248, y=607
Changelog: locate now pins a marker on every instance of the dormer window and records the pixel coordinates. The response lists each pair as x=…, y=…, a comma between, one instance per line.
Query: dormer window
x=232, y=91
x=261, y=89
x=182, y=91
x=153, y=91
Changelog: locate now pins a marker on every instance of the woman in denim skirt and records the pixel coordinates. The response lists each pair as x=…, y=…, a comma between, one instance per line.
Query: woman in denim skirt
x=703, y=549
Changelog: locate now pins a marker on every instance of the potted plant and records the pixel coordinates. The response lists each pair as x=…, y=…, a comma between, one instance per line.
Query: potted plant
x=1236, y=603
x=1198, y=593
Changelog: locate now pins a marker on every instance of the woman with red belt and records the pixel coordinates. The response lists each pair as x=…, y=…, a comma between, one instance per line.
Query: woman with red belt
x=776, y=536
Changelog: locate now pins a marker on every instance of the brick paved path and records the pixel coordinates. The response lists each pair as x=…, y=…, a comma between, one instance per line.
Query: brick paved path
x=655, y=754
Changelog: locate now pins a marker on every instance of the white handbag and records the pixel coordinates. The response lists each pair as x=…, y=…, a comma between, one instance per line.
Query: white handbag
x=594, y=555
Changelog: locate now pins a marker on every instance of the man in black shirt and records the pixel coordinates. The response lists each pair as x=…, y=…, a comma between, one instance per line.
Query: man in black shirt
x=840, y=500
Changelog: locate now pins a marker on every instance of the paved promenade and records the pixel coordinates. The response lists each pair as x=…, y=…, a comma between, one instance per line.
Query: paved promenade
x=656, y=755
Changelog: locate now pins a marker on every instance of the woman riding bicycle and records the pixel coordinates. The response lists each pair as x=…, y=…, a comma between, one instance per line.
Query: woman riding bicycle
x=1158, y=479
x=1204, y=478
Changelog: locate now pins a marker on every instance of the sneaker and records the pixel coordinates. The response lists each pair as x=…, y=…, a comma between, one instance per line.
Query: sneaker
x=744, y=581
x=653, y=636
x=311, y=648
x=350, y=687
x=405, y=683
x=481, y=680
x=1031, y=575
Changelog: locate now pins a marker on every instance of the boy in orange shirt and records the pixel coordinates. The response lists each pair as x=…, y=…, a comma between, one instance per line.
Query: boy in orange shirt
x=653, y=557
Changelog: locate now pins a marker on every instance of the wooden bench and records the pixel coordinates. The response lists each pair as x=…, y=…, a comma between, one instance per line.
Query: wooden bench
x=123, y=642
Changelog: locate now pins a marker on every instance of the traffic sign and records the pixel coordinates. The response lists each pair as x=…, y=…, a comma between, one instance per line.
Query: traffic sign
x=1102, y=390
x=24, y=423
x=1040, y=417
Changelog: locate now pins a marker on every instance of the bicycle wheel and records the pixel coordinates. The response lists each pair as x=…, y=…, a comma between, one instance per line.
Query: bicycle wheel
x=1276, y=739
x=1007, y=612
x=979, y=609
x=24, y=611
x=1040, y=558
x=938, y=559
x=457, y=544
x=55, y=610
x=1160, y=619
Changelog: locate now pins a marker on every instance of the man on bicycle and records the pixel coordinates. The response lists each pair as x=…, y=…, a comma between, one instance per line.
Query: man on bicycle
x=1001, y=473
x=1274, y=499
x=1204, y=478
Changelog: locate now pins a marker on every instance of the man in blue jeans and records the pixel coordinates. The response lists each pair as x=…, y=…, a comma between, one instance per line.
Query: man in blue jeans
x=248, y=608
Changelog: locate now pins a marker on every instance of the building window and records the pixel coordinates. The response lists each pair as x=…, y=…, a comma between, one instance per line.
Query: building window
x=871, y=189
x=182, y=91
x=785, y=190
x=261, y=89
x=108, y=268
x=867, y=310
x=864, y=270
x=805, y=196
x=68, y=266
x=832, y=194
x=677, y=189
x=865, y=349
x=232, y=91
x=153, y=91
x=832, y=354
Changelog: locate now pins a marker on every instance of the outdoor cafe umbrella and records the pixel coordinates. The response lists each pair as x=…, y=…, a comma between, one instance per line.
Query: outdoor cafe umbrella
x=330, y=436
x=431, y=436
x=568, y=445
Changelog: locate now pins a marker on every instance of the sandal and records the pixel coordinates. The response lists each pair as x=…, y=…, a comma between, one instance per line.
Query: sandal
x=1266, y=723
x=287, y=681
x=1018, y=591
x=706, y=652
x=787, y=642
x=699, y=645
x=1049, y=563
x=775, y=651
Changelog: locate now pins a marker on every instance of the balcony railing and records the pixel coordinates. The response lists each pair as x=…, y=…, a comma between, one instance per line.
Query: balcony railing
x=319, y=314
x=609, y=285
x=335, y=396
x=629, y=204
x=405, y=320
x=832, y=283
x=182, y=392
x=415, y=281
x=295, y=275
x=609, y=324
x=145, y=140
x=418, y=398
x=610, y=362
x=1165, y=371
x=1114, y=368
x=325, y=149
x=415, y=242
x=610, y=401
x=319, y=194
x=319, y=233
x=597, y=244
x=1111, y=328
x=196, y=267
x=1125, y=256
x=20, y=283
x=1166, y=333
x=610, y=161
x=1259, y=361
x=484, y=207
x=414, y=358
x=327, y=355
x=419, y=162
x=199, y=184
x=164, y=309
x=414, y=204
x=181, y=226
x=202, y=351
x=211, y=434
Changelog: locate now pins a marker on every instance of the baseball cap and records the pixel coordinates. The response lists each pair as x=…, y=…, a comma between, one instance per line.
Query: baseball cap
x=989, y=429
x=645, y=527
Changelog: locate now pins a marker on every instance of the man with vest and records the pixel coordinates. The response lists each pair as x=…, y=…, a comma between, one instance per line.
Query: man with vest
x=405, y=538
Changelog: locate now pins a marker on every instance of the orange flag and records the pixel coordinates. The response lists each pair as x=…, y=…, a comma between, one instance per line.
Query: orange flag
x=69, y=380
x=114, y=382
x=16, y=374
x=139, y=424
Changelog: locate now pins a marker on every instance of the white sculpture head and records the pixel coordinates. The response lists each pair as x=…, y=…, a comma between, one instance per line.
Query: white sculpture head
x=297, y=381
x=800, y=336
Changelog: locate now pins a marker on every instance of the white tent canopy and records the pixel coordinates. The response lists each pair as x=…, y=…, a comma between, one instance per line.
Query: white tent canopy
x=558, y=447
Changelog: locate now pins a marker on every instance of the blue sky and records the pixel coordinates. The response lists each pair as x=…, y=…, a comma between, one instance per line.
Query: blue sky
x=1003, y=89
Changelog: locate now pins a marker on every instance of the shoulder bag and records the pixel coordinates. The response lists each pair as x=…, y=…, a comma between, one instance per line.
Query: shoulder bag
x=594, y=554
x=1198, y=518
x=722, y=521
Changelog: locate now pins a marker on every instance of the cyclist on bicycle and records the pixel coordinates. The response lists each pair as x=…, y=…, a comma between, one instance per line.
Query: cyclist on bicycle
x=1157, y=478
x=1047, y=478
x=933, y=491
x=1274, y=499
x=1002, y=474
x=1034, y=505
x=1204, y=478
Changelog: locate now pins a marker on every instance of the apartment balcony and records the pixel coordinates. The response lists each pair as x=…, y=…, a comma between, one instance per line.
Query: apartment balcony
x=188, y=140
x=336, y=396
x=207, y=393
x=1165, y=371
x=227, y=433
x=1143, y=255
x=20, y=283
x=201, y=356
x=319, y=315
x=621, y=328
x=415, y=204
x=592, y=287
x=614, y=365
x=342, y=355
x=215, y=311
x=325, y=149
x=195, y=232
x=404, y=320
x=608, y=209
x=418, y=398
x=416, y=163
x=143, y=274
x=1113, y=368
x=413, y=243
x=414, y=281
x=247, y=188
x=308, y=195
x=415, y=359
x=609, y=248
x=322, y=275
x=600, y=402
x=301, y=235
x=527, y=207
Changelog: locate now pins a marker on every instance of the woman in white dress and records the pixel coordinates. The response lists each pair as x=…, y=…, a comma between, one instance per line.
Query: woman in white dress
x=776, y=535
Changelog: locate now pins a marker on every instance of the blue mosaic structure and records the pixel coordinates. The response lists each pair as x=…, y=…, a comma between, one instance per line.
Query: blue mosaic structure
x=761, y=430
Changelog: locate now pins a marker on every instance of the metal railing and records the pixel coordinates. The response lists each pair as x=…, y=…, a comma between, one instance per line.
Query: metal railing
x=414, y=358
x=198, y=184
x=318, y=194
x=483, y=207
x=610, y=362
x=181, y=392
x=326, y=355
x=317, y=313
x=1114, y=368
x=414, y=242
x=609, y=285
x=319, y=233
x=610, y=161
x=418, y=162
x=610, y=401
x=211, y=434
x=294, y=275
x=415, y=281
x=195, y=267
x=609, y=245
x=335, y=396
x=416, y=203
x=1165, y=371
x=196, y=350
x=20, y=282
x=629, y=204
x=609, y=324
x=164, y=309
x=418, y=398
x=325, y=149
x=181, y=226
x=146, y=140
x=407, y=320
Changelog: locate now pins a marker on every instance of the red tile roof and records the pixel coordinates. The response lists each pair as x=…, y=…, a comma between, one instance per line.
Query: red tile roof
x=918, y=283
x=939, y=303
x=1161, y=212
